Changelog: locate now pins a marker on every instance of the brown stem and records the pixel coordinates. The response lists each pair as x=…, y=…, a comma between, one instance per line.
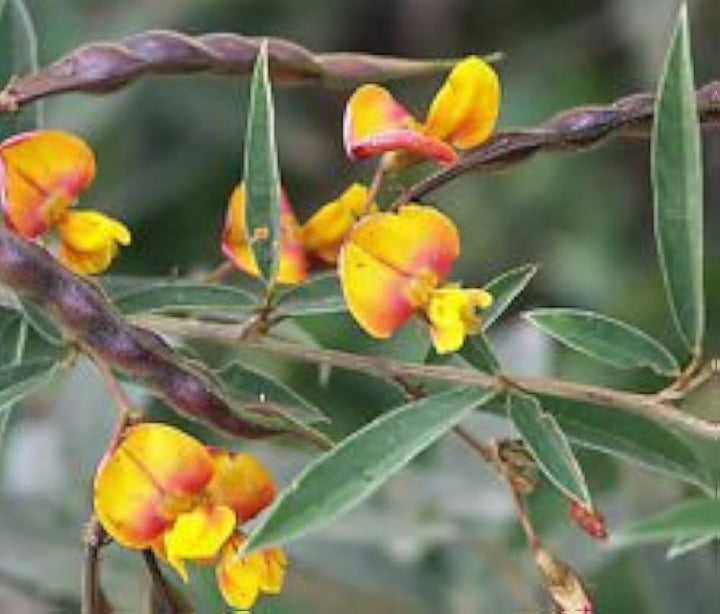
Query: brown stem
x=161, y=586
x=94, y=540
x=642, y=404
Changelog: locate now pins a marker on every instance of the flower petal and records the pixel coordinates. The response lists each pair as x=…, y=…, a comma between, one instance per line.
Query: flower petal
x=452, y=316
x=41, y=174
x=465, y=109
x=198, y=535
x=376, y=123
x=241, y=483
x=238, y=581
x=235, y=246
x=89, y=240
x=153, y=475
x=324, y=233
x=242, y=578
x=392, y=261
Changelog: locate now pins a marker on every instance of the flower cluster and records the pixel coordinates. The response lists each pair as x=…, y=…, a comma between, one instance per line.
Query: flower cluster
x=319, y=239
x=392, y=265
x=42, y=173
x=162, y=489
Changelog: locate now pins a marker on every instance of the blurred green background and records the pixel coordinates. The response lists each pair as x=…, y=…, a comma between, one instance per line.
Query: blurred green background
x=441, y=535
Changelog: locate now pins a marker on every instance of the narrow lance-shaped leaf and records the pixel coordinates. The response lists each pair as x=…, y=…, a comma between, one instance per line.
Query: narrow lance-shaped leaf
x=479, y=353
x=185, y=297
x=24, y=48
x=319, y=294
x=261, y=173
x=678, y=190
x=504, y=289
x=549, y=446
x=254, y=388
x=605, y=339
x=21, y=379
x=685, y=545
x=343, y=477
x=691, y=519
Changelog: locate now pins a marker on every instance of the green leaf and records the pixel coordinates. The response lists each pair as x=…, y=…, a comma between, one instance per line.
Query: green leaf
x=343, y=477
x=678, y=189
x=628, y=436
x=20, y=380
x=13, y=335
x=549, y=446
x=504, y=289
x=605, y=339
x=204, y=591
x=318, y=295
x=253, y=388
x=183, y=296
x=691, y=519
x=42, y=325
x=23, y=49
x=261, y=173
x=685, y=545
x=478, y=353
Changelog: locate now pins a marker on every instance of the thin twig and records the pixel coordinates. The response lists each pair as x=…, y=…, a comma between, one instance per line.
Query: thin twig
x=159, y=582
x=642, y=404
x=94, y=540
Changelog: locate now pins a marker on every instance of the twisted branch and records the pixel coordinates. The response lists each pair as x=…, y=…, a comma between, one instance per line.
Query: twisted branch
x=105, y=66
x=572, y=130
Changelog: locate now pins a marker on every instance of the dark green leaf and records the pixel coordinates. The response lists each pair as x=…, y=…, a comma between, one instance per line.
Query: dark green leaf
x=13, y=334
x=685, y=545
x=628, y=436
x=23, y=47
x=605, y=339
x=319, y=294
x=343, y=477
x=42, y=325
x=204, y=591
x=478, y=353
x=20, y=380
x=549, y=446
x=678, y=189
x=183, y=296
x=504, y=289
x=691, y=519
x=261, y=173
x=256, y=389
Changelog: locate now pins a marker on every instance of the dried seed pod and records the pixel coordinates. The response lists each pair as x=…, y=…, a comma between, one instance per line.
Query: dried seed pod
x=562, y=583
x=85, y=316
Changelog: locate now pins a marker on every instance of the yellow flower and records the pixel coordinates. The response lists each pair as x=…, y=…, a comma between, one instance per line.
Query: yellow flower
x=89, y=240
x=162, y=489
x=462, y=115
x=42, y=173
x=324, y=233
x=392, y=266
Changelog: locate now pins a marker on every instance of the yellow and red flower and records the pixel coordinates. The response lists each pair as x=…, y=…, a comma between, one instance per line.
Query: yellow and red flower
x=392, y=266
x=162, y=489
x=42, y=173
x=236, y=246
x=318, y=239
x=462, y=115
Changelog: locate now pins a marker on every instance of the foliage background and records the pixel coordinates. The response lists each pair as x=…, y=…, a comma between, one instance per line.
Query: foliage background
x=441, y=534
